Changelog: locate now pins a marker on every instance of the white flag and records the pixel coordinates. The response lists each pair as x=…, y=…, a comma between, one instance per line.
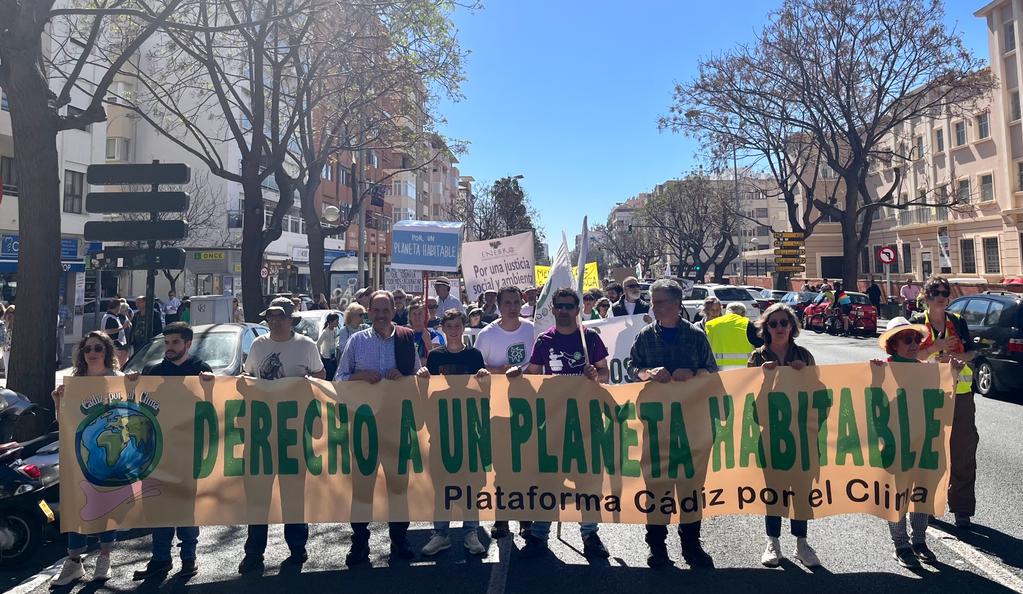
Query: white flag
x=561, y=276
x=639, y=271
x=667, y=267
x=584, y=250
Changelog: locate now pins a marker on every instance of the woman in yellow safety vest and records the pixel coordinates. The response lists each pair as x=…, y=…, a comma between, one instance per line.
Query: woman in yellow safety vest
x=949, y=340
x=778, y=327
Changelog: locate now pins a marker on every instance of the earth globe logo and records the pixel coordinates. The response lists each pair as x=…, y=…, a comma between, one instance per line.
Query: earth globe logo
x=118, y=443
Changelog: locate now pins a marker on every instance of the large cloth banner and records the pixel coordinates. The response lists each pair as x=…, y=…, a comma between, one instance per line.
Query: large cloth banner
x=619, y=334
x=496, y=263
x=591, y=277
x=804, y=444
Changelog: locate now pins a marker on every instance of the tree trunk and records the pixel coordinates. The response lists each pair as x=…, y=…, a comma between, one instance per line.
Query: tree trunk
x=314, y=236
x=252, y=248
x=33, y=352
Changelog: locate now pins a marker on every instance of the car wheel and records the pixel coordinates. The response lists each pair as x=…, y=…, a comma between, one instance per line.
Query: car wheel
x=984, y=379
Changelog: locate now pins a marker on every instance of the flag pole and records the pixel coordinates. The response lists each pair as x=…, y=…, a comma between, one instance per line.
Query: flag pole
x=584, y=248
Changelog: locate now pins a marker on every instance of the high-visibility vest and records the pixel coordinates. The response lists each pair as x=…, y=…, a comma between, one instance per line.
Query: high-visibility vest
x=727, y=336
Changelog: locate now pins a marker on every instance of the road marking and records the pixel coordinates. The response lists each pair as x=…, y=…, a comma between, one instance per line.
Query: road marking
x=499, y=573
x=38, y=579
x=985, y=564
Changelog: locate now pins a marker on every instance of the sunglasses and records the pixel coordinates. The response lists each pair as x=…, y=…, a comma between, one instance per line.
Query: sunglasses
x=939, y=293
x=93, y=349
x=588, y=299
x=565, y=306
x=775, y=323
x=631, y=286
x=913, y=338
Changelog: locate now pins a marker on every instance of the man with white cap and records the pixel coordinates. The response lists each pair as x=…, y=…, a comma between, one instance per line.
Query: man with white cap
x=445, y=300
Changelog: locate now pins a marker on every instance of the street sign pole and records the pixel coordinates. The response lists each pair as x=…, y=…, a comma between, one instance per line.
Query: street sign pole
x=151, y=278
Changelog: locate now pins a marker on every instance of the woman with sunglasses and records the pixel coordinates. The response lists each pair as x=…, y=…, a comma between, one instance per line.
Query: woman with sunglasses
x=948, y=341
x=93, y=356
x=778, y=327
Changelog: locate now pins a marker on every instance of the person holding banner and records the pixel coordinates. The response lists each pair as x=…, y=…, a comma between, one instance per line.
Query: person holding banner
x=901, y=340
x=383, y=351
x=778, y=327
x=93, y=356
x=560, y=351
x=505, y=345
x=177, y=339
x=454, y=359
x=281, y=353
x=672, y=349
x=948, y=340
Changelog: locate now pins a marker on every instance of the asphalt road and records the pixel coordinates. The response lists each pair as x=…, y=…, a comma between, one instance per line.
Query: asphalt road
x=855, y=550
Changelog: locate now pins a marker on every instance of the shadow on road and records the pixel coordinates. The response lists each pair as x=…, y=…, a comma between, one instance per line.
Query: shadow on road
x=1008, y=549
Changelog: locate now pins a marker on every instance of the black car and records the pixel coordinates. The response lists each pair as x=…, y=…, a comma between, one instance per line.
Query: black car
x=995, y=319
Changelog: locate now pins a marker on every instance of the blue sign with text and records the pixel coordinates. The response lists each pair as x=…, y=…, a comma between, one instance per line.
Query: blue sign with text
x=426, y=245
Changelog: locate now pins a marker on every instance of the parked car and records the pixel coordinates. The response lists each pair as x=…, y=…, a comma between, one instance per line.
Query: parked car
x=725, y=293
x=995, y=319
x=820, y=316
x=311, y=322
x=223, y=346
x=766, y=297
x=798, y=300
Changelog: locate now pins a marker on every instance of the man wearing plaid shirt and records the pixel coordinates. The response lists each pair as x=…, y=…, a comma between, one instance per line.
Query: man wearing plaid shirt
x=672, y=349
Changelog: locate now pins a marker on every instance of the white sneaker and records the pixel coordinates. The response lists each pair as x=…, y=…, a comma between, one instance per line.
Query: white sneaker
x=438, y=543
x=101, y=572
x=805, y=553
x=772, y=554
x=473, y=544
x=70, y=572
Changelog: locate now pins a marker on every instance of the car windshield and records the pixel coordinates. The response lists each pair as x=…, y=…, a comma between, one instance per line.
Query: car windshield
x=310, y=326
x=732, y=294
x=217, y=349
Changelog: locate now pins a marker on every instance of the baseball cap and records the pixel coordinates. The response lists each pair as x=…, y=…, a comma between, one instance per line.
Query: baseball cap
x=442, y=280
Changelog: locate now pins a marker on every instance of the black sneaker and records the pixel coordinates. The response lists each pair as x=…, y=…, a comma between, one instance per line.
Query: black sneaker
x=188, y=568
x=658, y=555
x=524, y=527
x=963, y=522
x=358, y=555
x=251, y=564
x=402, y=549
x=924, y=553
x=297, y=558
x=535, y=547
x=695, y=556
x=906, y=558
x=594, y=547
x=153, y=569
x=499, y=529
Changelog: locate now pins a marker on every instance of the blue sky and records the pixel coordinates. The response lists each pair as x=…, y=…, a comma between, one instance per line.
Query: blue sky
x=567, y=93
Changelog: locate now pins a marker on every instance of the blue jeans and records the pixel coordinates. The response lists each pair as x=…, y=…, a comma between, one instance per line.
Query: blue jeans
x=79, y=543
x=542, y=530
x=296, y=535
x=163, y=538
x=443, y=527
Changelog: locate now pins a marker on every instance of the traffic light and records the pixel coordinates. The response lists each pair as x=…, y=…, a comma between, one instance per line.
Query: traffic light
x=698, y=267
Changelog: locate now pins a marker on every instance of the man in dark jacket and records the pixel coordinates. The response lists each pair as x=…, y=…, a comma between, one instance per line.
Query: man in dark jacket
x=631, y=302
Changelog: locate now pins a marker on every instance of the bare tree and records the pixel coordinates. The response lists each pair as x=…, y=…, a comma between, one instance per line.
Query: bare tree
x=625, y=247
x=838, y=84
x=48, y=56
x=374, y=69
x=226, y=84
x=498, y=210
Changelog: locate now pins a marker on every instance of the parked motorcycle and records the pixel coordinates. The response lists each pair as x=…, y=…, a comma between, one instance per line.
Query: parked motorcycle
x=29, y=479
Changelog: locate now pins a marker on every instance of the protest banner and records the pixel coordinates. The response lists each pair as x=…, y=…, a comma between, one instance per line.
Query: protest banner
x=410, y=281
x=619, y=334
x=820, y=441
x=426, y=245
x=496, y=263
x=591, y=277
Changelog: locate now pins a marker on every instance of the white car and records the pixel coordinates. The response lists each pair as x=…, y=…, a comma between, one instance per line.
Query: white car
x=726, y=294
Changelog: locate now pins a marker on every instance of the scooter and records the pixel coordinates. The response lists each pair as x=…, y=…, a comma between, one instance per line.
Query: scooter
x=29, y=479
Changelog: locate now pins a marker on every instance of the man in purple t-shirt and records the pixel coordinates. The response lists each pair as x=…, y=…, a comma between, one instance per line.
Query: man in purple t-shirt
x=559, y=351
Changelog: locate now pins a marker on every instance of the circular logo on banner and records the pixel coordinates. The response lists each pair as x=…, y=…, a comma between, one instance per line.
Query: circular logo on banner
x=118, y=443
x=264, y=272
x=886, y=255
